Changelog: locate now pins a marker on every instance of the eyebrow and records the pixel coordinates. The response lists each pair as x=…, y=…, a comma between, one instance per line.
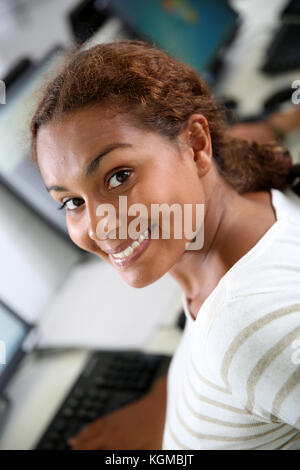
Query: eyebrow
x=93, y=164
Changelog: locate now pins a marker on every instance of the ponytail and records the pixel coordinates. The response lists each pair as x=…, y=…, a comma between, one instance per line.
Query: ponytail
x=249, y=166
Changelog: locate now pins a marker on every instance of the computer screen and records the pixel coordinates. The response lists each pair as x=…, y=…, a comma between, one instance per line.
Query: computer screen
x=17, y=172
x=13, y=332
x=190, y=30
x=15, y=115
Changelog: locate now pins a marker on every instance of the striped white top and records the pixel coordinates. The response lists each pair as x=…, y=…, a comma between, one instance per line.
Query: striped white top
x=234, y=380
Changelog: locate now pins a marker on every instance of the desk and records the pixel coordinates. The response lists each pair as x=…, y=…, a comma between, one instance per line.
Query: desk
x=43, y=380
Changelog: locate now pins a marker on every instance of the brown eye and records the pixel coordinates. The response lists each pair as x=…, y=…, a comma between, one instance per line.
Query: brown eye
x=118, y=178
x=72, y=204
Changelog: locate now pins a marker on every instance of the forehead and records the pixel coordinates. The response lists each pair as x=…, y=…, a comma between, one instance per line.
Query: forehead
x=81, y=132
x=65, y=146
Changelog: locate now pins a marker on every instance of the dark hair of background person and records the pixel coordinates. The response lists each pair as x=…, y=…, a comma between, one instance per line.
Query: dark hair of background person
x=160, y=93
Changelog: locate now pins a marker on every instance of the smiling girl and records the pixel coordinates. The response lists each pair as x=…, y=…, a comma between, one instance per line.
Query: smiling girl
x=125, y=119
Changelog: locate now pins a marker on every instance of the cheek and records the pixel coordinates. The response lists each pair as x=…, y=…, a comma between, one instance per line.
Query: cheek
x=80, y=238
x=79, y=235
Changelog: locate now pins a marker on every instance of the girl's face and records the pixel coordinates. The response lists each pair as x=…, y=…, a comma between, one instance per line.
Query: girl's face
x=143, y=166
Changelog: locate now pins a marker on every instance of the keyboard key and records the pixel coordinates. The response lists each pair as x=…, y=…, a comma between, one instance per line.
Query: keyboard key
x=82, y=414
x=99, y=381
x=59, y=425
x=78, y=393
x=68, y=412
x=48, y=445
x=87, y=403
x=54, y=437
x=93, y=393
x=71, y=430
x=92, y=415
x=98, y=406
x=72, y=403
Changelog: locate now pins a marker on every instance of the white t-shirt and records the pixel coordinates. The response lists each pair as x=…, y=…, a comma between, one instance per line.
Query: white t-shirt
x=234, y=381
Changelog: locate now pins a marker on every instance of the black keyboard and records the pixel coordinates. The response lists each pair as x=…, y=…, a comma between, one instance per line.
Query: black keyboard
x=284, y=52
x=109, y=380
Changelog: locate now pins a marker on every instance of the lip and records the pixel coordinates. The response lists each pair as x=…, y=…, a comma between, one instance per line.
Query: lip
x=125, y=262
x=121, y=247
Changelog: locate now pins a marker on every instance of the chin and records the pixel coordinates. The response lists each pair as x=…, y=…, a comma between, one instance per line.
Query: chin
x=139, y=279
x=137, y=282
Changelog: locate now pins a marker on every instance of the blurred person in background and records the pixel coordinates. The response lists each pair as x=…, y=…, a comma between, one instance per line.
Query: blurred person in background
x=277, y=127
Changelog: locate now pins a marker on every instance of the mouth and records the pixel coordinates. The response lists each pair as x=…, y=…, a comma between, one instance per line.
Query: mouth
x=132, y=252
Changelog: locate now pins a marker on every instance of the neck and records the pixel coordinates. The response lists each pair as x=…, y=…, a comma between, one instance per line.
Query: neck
x=229, y=233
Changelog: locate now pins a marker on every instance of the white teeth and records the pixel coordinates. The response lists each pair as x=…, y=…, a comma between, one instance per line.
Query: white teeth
x=128, y=251
x=132, y=247
x=143, y=236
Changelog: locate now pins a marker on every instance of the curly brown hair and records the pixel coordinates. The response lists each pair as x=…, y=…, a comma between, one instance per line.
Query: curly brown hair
x=160, y=93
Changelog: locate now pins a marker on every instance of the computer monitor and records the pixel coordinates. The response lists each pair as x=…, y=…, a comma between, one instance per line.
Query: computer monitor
x=17, y=172
x=15, y=342
x=291, y=9
x=194, y=31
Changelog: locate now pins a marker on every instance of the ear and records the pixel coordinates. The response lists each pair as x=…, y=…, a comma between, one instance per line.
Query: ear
x=197, y=137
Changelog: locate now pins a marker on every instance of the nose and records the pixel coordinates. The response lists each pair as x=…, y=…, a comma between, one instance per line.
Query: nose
x=101, y=227
x=92, y=220
x=93, y=228
x=92, y=233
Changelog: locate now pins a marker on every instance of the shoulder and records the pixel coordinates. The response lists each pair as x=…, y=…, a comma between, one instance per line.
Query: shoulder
x=272, y=264
x=259, y=298
x=260, y=317
x=253, y=346
x=253, y=341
